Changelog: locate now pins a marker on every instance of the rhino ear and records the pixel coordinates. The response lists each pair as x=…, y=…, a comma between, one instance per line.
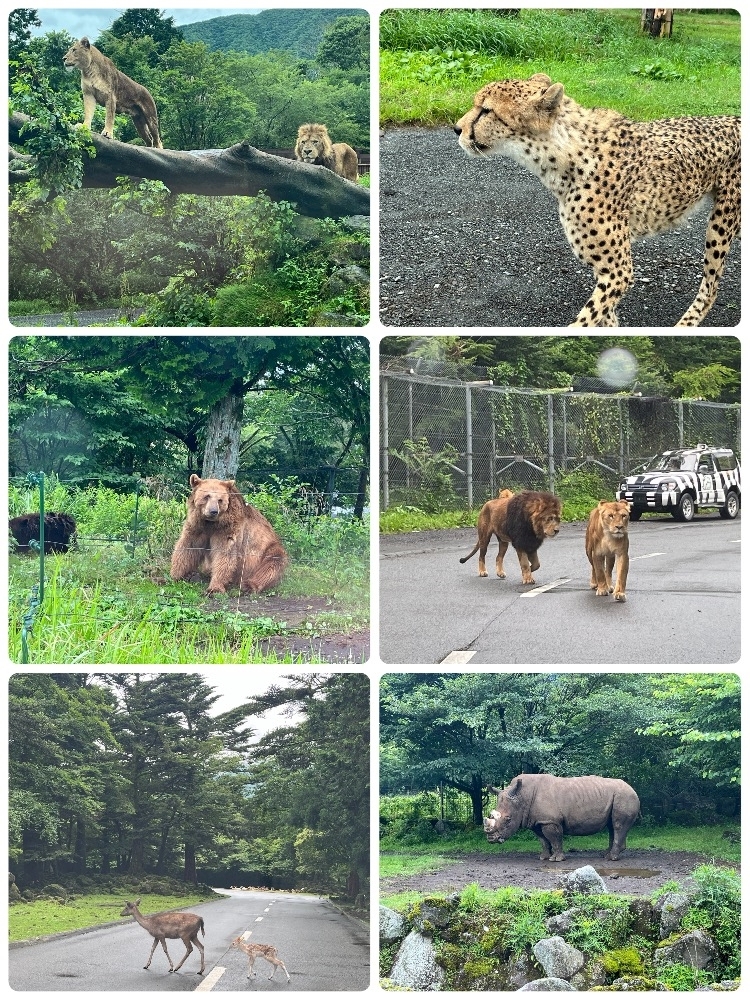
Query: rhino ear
x=492, y=790
x=514, y=787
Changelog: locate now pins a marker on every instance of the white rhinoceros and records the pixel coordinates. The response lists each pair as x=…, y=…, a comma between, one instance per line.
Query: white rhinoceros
x=552, y=807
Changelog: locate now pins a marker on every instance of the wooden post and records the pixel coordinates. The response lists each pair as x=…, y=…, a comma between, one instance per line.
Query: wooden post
x=657, y=21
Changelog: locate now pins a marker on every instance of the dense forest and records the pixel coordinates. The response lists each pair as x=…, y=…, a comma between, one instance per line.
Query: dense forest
x=138, y=774
x=110, y=408
x=674, y=737
x=190, y=259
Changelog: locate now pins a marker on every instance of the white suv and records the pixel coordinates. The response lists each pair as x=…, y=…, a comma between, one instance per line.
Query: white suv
x=683, y=480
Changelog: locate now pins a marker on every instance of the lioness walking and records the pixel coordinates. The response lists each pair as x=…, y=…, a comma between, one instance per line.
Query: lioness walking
x=103, y=83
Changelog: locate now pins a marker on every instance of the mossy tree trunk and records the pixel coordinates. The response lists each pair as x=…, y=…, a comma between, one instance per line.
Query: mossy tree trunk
x=222, y=453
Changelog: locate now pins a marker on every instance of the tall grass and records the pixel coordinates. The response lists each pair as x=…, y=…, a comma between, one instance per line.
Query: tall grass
x=107, y=603
x=432, y=61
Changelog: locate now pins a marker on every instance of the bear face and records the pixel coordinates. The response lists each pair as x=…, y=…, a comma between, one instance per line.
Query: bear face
x=211, y=497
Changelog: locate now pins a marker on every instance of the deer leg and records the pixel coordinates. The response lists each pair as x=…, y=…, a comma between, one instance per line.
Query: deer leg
x=278, y=962
x=250, y=964
x=201, y=949
x=189, y=948
x=153, y=949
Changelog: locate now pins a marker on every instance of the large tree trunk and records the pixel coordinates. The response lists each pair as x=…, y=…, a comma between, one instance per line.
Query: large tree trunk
x=191, y=873
x=239, y=170
x=359, y=506
x=222, y=454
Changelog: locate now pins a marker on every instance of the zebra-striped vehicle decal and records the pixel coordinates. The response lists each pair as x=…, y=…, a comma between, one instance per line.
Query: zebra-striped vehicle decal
x=645, y=490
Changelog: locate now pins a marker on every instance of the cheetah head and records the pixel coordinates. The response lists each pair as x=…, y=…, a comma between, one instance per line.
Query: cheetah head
x=509, y=110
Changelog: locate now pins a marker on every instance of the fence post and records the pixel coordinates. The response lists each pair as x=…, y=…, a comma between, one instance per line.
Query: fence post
x=384, y=461
x=551, y=440
x=135, y=515
x=680, y=424
x=469, y=446
x=40, y=480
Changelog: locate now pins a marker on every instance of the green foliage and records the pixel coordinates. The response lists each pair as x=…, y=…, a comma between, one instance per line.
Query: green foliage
x=683, y=978
x=403, y=517
x=58, y=149
x=181, y=303
x=432, y=482
x=346, y=43
x=205, y=99
x=657, y=71
x=470, y=897
x=702, y=713
x=717, y=908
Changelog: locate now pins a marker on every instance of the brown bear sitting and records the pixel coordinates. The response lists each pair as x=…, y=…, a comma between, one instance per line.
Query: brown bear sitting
x=227, y=540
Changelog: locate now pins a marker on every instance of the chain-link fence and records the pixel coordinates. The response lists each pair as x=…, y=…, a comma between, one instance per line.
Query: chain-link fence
x=465, y=440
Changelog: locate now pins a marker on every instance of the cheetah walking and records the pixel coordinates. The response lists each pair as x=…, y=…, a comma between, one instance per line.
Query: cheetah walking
x=614, y=179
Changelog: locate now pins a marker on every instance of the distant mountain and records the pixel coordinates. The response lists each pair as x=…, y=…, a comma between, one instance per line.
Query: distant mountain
x=297, y=31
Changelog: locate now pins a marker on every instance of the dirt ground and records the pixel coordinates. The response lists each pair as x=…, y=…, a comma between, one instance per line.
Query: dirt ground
x=637, y=873
x=472, y=241
x=292, y=614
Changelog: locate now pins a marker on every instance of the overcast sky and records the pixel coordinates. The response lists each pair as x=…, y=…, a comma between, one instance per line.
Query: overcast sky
x=79, y=21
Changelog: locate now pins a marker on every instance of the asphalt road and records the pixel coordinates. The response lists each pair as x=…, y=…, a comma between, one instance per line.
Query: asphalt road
x=473, y=241
x=321, y=948
x=683, y=603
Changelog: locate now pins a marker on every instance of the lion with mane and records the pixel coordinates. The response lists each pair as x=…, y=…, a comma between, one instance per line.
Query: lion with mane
x=227, y=540
x=103, y=83
x=607, y=543
x=522, y=520
x=314, y=146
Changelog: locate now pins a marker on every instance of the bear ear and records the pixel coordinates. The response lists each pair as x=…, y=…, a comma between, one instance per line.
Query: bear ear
x=195, y=480
x=229, y=483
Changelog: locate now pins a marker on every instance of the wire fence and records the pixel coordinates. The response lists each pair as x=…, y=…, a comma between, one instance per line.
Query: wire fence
x=472, y=438
x=139, y=509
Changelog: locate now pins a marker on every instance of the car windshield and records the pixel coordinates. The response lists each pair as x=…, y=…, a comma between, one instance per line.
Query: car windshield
x=676, y=462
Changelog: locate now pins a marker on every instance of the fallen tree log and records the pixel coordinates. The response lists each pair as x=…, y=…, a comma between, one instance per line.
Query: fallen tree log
x=240, y=169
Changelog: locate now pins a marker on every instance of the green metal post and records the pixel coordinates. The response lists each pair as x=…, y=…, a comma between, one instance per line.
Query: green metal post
x=135, y=516
x=40, y=480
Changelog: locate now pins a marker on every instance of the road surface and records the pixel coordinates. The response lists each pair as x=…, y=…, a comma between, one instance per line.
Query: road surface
x=683, y=602
x=476, y=241
x=321, y=948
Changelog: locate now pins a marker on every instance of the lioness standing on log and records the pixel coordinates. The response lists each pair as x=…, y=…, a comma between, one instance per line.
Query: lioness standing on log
x=314, y=146
x=103, y=83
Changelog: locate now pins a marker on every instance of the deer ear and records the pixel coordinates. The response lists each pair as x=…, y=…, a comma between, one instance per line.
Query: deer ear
x=137, y=902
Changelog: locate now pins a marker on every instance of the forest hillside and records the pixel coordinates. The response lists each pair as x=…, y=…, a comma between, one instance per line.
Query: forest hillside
x=297, y=31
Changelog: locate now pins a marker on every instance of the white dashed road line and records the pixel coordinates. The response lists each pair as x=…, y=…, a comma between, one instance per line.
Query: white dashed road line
x=459, y=656
x=649, y=556
x=547, y=586
x=207, y=984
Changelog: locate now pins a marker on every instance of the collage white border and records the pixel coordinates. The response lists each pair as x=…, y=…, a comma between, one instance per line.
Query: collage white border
x=375, y=332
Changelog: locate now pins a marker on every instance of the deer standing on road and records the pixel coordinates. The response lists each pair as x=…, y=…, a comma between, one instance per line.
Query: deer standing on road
x=254, y=951
x=170, y=925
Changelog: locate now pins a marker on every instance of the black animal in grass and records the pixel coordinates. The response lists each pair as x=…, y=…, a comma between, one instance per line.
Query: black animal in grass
x=59, y=532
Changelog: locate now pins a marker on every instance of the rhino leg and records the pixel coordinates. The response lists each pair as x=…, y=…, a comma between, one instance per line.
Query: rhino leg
x=551, y=838
x=618, y=831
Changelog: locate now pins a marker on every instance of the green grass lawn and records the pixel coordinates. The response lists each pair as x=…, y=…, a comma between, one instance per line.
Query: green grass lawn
x=432, y=62
x=30, y=920
x=104, y=606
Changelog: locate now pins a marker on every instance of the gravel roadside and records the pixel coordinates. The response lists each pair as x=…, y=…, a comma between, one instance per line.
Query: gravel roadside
x=467, y=241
